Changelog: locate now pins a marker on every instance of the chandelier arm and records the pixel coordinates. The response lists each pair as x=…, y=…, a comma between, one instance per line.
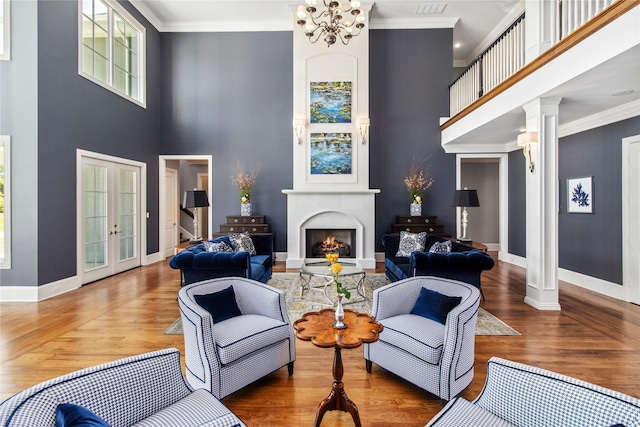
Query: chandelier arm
x=312, y=34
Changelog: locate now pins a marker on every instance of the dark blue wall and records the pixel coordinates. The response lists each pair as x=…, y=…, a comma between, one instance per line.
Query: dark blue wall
x=230, y=95
x=409, y=73
x=74, y=112
x=517, y=240
x=591, y=244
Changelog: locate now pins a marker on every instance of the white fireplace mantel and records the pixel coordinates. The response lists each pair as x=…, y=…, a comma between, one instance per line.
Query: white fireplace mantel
x=348, y=209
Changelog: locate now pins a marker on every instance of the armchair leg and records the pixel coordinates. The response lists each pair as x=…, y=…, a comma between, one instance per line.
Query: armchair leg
x=290, y=368
x=368, y=364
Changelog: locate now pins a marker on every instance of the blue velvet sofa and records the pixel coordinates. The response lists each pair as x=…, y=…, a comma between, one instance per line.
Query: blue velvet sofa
x=147, y=390
x=521, y=395
x=197, y=264
x=463, y=263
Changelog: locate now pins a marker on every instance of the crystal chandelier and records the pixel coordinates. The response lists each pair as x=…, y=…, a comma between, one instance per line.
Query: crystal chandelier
x=329, y=23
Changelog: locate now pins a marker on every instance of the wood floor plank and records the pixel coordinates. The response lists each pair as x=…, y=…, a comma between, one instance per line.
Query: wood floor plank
x=593, y=337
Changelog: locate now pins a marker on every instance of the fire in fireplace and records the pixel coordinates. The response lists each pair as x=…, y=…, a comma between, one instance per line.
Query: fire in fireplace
x=323, y=241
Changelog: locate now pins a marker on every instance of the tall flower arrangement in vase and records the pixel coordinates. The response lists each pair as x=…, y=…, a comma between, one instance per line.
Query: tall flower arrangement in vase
x=244, y=181
x=336, y=269
x=418, y=181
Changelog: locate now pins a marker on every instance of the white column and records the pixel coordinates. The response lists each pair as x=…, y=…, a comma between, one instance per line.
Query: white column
x=540, y=27
x=542, y=206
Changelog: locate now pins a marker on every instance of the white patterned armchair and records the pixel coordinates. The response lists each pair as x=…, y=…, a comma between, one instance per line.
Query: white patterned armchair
x=147, y=390
x=519, y=395
x=226, y=356
x=436, y=357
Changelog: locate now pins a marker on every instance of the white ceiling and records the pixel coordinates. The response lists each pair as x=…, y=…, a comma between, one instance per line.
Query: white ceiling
x=472, y=20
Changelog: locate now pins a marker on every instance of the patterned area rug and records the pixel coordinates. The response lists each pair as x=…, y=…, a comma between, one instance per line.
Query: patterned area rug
x=300, y=301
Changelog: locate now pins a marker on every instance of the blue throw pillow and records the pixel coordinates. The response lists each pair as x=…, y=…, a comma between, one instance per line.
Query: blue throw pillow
x=434, y=305
x=71, y=415
x=222, y=304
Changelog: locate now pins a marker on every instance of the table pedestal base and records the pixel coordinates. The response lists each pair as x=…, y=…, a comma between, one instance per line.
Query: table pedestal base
x=337, y=398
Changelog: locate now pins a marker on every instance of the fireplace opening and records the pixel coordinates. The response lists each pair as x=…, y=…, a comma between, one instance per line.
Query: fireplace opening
x=323, y=241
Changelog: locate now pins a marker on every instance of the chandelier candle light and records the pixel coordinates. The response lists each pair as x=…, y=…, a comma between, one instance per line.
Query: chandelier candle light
x=329, y=23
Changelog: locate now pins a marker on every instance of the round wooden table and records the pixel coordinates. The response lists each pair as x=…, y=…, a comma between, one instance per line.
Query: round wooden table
x=317, y=327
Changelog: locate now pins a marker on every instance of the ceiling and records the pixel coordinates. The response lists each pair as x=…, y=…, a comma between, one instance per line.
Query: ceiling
x=472, y=20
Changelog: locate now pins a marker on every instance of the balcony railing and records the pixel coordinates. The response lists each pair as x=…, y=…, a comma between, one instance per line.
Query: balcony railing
x=506, y=56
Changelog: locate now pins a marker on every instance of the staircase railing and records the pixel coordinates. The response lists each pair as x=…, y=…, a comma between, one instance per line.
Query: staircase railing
x=506, y=55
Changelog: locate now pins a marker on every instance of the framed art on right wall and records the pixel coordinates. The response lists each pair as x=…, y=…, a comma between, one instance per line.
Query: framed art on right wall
x=580, y=195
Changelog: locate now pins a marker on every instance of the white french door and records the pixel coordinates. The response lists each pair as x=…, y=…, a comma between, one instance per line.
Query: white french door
x=109, y=194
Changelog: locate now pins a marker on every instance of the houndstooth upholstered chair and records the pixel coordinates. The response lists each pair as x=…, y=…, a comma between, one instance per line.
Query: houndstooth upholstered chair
x=226, y=355
x=437, y=357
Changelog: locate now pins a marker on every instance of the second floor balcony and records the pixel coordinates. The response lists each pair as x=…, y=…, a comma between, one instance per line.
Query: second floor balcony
x=586, y=52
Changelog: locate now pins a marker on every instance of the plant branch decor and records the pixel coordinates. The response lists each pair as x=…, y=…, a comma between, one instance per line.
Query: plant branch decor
x=418, y=180
x=245, y=182
x=580, y=195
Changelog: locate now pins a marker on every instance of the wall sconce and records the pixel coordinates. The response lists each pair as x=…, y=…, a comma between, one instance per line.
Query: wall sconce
x=526, y=140
x=363, y=127
x=298, y=129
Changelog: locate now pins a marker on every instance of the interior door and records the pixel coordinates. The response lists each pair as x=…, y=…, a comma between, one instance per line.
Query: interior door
x=109, y=224
x=171, y=212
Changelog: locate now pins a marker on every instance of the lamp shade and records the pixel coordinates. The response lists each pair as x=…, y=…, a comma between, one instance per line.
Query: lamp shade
x=466, y=198
x=195, y=199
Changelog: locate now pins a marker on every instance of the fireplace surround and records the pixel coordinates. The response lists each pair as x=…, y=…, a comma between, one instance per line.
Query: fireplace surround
x=353, y=210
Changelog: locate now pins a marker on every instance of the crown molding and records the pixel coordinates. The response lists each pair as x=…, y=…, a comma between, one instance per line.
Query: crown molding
x=147, y=13
x=417, y=23
x=613, y=115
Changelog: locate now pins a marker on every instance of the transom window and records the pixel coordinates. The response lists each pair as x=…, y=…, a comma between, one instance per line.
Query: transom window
x=112, y=48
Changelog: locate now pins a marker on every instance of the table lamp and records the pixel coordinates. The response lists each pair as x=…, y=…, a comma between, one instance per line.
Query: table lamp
x=195, y=199
x=465, y=198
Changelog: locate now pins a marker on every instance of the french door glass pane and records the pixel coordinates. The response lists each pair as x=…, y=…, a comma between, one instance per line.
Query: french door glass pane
x=95, y=216
x=127, y=213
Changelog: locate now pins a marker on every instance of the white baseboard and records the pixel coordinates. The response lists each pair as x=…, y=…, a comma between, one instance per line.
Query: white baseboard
x=38, y=293
x=536, y=304
x=152, y=258
x=513, y=259
x=594, y=284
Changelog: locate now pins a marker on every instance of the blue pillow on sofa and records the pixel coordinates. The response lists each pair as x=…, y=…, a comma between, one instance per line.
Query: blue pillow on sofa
x=222, y=304
x=434, y=305
x=71, y=415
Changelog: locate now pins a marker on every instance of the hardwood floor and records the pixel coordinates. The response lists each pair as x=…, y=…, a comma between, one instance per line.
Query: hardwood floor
x=593, y=337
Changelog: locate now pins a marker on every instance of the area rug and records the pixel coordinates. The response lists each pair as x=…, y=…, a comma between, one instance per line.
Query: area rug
x=300, y=301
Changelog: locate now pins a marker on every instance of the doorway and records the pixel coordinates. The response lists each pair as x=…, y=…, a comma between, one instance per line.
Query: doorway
x=165, y=193
x=486, y=173
x=108, y=216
